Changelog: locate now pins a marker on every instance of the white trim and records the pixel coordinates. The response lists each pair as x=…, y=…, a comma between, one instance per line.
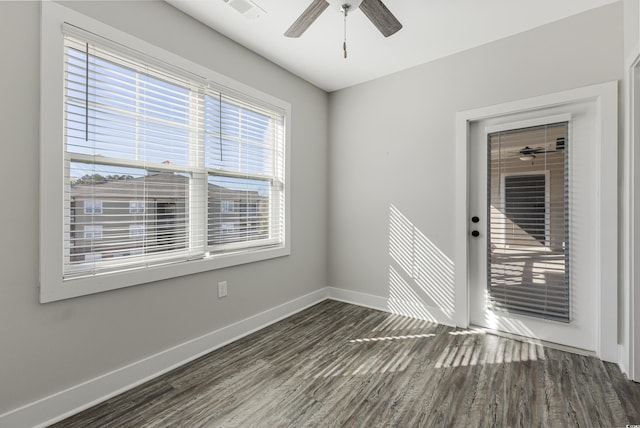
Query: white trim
x=630, y=348
x=526, y=339
x=358, y=298
x=461, y=217
x=65, y=403
x=385, y=304
x=529, y=123
x=605, y=97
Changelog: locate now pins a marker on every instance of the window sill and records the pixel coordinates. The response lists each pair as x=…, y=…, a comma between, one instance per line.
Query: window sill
x=65, y=289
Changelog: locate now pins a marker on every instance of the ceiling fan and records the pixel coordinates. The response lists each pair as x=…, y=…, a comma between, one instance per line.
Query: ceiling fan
x=375, y=10
x=527, y=153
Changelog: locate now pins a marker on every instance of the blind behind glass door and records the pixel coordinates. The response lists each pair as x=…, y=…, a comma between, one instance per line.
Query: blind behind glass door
x=528, y=239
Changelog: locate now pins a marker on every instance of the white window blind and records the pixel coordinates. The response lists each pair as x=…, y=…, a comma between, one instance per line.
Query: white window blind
x=528, y=245
x=161, y=149
x=244, y=159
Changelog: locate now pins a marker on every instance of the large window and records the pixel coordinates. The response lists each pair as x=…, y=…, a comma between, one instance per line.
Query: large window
x=171, y=167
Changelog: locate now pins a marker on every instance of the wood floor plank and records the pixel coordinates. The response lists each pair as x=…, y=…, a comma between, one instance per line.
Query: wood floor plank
x=340, y=365
x=627, y=392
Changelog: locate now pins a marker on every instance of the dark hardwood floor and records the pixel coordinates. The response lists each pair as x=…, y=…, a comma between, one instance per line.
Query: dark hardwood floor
x=337, y=365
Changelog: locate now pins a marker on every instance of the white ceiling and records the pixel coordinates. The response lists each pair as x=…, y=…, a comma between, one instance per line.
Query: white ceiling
x=432, y=29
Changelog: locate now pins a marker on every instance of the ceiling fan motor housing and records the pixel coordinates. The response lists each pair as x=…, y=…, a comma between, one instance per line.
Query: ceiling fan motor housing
x=338, y=4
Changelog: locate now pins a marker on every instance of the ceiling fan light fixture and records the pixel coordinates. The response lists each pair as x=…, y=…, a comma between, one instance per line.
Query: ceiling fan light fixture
x=527, y=157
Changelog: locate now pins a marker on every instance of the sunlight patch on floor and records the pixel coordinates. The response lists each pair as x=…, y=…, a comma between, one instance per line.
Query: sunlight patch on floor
x=382, y=339
x=493, y=350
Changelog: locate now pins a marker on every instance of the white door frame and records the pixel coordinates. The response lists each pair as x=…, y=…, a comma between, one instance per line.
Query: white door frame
x=630, y=358
x=605, y=98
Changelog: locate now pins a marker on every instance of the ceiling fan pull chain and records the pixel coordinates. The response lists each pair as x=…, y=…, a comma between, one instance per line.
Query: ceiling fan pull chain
x=344, y=43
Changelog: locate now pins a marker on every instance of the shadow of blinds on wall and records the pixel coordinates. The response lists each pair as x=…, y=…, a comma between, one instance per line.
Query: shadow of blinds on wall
x=528, y=230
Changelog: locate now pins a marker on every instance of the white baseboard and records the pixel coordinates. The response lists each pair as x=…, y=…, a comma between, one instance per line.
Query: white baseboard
x=65, y=403
x=411, y=309
x=623, y=361
x=358, y=298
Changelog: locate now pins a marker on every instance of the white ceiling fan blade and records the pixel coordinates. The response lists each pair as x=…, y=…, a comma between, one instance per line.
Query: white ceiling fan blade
x=381, y=17
x=307, y=18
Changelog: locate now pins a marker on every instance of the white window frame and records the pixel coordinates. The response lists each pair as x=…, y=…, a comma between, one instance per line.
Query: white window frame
x=136, y=207
x=92, y=232
x=93, y=257
x=227, y=228
x=93, y=206
x=52, y=180
x=137, y=231
x=227, y=206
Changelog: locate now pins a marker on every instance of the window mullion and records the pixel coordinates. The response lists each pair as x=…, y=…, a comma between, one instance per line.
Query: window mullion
x=198, y=188
x=277, y=187
x=66, y=217
x=138, y=116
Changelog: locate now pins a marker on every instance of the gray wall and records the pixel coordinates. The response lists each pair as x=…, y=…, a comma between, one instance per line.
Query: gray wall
x=47, y=348
x=631, y=25
x=392, y=148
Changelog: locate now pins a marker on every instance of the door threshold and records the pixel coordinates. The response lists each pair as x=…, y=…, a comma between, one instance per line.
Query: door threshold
x=525, y=339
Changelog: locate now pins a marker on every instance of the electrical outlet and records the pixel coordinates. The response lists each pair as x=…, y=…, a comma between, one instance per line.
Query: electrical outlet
x=222, y=289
